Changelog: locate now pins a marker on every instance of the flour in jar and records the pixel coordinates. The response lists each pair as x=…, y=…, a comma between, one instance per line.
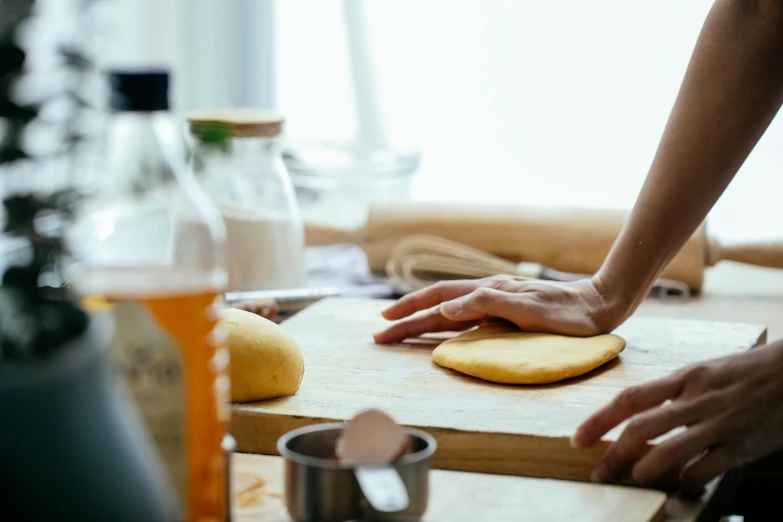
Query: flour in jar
x=265, y=249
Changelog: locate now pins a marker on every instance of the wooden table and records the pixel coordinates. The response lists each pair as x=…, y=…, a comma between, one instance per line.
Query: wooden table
x=472, y=497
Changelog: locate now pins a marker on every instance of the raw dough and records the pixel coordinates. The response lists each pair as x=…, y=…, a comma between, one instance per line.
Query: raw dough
x=265, y=360
x=504, y=354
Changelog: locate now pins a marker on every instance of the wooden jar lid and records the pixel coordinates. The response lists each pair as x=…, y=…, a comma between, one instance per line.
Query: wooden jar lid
x=242, y=122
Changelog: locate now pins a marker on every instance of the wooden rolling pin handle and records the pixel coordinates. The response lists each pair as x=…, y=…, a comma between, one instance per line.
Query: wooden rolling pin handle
x=759, y=254
x=317, y=234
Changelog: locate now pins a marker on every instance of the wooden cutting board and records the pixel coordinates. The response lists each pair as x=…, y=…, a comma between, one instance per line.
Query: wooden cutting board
x=467, y=497
x=479, y=426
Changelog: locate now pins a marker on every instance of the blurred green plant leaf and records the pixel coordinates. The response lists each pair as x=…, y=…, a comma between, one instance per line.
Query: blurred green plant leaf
x=36, y=320
x=75, y=58
x=21, y=211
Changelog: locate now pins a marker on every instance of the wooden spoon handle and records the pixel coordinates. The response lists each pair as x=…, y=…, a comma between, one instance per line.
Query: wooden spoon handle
x=769, y=254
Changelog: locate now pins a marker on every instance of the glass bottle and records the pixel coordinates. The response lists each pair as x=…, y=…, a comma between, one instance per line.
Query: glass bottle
x=239, y=163
x=150, y=246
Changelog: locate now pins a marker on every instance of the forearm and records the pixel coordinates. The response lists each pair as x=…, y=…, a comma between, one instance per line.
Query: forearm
x=732, y=89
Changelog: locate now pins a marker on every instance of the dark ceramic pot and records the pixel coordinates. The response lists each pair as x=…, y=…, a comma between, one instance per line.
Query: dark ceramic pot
x=72, y=446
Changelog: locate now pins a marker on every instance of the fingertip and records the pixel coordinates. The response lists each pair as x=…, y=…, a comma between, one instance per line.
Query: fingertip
x=582, y=442
x=640, y=477
x=690, y=488
x=688, y=482
x=582, y=438
x=390, y=313
x=381, y=337
x=601, y=474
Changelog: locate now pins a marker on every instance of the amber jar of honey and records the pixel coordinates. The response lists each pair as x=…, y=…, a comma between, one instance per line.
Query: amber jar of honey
x=150, y=245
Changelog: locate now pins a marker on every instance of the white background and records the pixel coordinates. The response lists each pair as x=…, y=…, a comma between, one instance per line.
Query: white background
x=510, y=101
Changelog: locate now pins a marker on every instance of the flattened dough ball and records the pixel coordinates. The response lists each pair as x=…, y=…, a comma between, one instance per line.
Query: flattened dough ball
x=503, y=354
x=265, y=360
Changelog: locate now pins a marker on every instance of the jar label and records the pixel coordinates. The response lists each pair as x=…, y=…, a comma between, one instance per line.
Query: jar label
x=151, y=364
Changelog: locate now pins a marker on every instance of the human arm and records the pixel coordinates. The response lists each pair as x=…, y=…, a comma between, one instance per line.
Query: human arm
x=732, y=408
x=732, y=89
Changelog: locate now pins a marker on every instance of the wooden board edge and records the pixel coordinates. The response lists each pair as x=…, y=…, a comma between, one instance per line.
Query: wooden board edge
x=258, y=432
x=661, y=514
x=494, y=453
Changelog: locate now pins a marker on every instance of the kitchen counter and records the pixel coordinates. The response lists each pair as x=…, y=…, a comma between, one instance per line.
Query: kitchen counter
x=470, y=497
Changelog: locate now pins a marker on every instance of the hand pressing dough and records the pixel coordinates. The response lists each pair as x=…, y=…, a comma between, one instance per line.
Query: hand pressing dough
x=503, y=354
x=265, y=360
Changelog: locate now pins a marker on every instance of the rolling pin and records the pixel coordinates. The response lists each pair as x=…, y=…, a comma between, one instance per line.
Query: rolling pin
x=565, y=239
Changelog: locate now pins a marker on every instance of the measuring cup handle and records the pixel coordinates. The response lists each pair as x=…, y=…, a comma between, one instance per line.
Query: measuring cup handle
x=383, y=488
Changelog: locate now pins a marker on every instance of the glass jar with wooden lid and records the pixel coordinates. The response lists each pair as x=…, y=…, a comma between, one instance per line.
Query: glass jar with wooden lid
x=239, y=163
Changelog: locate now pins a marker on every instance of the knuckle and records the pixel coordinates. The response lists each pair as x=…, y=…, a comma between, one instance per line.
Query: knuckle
x=439, y=286
x=629, y=398
x=499, y=282
x=709, y=402
x=666, y=453
x=676, y=414
x=695, y=373
x=482, y=296
x=636, y=430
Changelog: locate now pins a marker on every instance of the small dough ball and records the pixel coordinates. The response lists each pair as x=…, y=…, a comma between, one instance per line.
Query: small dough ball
x=265, y=360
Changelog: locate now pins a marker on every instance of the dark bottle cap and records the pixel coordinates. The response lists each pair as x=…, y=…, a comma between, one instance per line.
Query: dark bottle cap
x=140, y=91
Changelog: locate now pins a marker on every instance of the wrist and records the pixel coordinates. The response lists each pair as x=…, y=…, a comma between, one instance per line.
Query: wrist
x=618, y=301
